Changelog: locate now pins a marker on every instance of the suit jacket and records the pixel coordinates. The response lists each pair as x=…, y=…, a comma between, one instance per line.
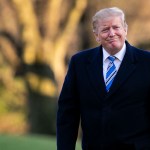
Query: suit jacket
x=114, y=120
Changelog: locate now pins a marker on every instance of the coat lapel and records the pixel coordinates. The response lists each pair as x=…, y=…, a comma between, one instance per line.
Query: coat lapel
x=127, y=67
x=95, y=72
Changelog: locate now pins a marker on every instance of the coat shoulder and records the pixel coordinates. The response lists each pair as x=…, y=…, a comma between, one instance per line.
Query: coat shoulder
x=87, y=54
x=143, y=54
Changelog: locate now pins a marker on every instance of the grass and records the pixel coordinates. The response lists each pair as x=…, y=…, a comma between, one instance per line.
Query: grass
x=29, y=142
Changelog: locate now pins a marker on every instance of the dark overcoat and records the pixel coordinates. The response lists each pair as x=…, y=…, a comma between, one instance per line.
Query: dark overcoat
x=115, y=120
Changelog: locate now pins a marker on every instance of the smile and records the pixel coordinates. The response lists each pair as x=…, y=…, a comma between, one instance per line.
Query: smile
x=112, y=40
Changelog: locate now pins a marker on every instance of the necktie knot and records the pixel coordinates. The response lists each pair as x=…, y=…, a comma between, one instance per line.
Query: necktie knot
x=112, y=58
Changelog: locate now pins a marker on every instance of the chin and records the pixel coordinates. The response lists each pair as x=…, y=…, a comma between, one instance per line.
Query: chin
x=115, y=45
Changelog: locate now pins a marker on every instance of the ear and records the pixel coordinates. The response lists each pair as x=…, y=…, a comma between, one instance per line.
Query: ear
x=98, y=40
x=126, y=29
x=97, y=37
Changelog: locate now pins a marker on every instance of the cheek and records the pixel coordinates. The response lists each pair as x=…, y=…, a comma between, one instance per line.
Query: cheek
x=123, y=33
x=103, y=37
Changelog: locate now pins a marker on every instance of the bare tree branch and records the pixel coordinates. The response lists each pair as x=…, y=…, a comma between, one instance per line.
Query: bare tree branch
x=30, y=31
x=64, y=40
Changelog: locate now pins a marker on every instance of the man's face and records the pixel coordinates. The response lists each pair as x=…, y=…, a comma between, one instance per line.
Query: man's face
x=111, y=34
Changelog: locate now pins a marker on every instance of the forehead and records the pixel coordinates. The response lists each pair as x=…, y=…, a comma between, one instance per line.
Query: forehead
x=112, y=20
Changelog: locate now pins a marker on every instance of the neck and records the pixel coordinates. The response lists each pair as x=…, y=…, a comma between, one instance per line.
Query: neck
x=113, y=52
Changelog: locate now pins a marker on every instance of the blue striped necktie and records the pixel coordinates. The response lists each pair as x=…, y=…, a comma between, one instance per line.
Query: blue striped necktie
x=111, y=72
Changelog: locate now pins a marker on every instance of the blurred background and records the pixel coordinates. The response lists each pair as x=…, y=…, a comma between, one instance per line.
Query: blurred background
x=37, y=39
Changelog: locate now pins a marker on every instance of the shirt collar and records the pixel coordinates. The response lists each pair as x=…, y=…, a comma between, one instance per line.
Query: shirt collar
x=118, y=55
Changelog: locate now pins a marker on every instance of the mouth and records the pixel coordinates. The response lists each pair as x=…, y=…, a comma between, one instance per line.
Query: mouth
x=112, y=40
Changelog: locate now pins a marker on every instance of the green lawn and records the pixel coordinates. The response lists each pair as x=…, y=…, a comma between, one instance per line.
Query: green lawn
x=10, y=142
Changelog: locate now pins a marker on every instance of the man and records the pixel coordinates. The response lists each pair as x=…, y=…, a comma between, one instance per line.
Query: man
x=108, y=88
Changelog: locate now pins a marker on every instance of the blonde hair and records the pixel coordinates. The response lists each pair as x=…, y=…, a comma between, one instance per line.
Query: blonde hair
x=107, y=12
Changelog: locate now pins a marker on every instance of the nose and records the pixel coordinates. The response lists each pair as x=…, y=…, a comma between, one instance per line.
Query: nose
x=111, y=32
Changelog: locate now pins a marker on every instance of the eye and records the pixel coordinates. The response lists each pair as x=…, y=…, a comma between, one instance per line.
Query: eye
x=116, y=27
x=105, y=30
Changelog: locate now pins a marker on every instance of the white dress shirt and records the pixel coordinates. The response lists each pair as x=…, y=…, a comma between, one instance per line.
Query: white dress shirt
x=119, y=57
